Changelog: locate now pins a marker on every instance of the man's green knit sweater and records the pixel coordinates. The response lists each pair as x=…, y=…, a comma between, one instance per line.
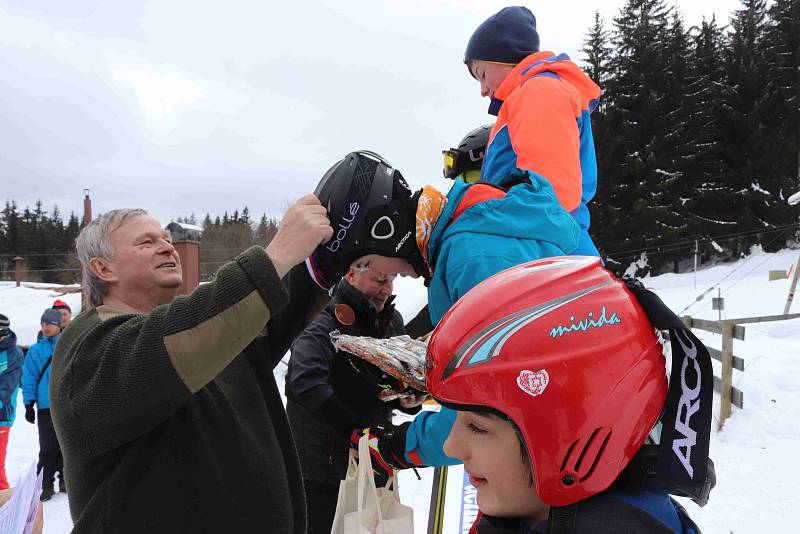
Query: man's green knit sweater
x=171, y=421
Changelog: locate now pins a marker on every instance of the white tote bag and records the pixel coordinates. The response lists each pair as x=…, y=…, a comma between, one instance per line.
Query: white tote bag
x=364, y=509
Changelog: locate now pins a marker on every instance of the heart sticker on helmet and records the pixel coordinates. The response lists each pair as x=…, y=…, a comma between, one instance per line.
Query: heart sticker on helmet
x=533, y=382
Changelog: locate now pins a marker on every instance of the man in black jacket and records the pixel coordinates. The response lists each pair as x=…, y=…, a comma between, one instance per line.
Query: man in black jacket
x=330, y=393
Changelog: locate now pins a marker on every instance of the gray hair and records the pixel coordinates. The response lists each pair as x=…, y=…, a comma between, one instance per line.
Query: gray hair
x=94, y=242
x=361, y=265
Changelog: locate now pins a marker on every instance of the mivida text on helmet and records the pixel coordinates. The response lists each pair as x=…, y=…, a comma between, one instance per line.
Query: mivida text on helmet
x=343, y=226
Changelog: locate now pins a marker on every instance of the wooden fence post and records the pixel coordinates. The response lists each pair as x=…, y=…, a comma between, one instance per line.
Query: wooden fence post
x=727, y=372
x=18, y=270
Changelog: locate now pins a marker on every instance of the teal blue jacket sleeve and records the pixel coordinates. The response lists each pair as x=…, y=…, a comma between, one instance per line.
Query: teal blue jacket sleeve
x=10, y=376
x=425, y=438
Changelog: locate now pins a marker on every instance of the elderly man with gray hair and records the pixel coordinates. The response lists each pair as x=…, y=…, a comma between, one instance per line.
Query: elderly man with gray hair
x=166, y=407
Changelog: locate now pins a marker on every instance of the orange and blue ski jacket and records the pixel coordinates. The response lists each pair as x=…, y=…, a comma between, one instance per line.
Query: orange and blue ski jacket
x=543, y=109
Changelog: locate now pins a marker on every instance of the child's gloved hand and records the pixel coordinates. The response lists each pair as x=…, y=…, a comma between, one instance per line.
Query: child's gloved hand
x=30, y=413
x=386, y=446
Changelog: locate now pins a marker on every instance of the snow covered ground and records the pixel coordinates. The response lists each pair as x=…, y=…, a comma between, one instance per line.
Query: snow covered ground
x=758, y=487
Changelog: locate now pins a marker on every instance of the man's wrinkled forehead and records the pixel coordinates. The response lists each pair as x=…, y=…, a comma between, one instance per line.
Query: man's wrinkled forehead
x=140, y=226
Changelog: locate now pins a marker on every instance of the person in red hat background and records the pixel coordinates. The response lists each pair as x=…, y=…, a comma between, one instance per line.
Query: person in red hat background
x=65, y=311
x=66, y=315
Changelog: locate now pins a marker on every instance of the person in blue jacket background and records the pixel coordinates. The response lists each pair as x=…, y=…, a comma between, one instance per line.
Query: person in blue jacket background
x=35, y=386
x=10, y=373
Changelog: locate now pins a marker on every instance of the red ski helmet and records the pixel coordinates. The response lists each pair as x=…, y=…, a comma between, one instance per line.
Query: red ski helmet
x=562, y=349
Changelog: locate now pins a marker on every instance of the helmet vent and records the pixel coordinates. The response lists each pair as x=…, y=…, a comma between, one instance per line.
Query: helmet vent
x=569, y=453
x=588, y=453
x=592, y=452
x=365, y=170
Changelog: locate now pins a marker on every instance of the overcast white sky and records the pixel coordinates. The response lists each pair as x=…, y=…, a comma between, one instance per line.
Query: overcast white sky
x=185, y=106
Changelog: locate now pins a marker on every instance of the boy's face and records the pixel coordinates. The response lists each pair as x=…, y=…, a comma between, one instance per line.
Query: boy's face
x=50, y=330
x=489, y=75
x=497, y=467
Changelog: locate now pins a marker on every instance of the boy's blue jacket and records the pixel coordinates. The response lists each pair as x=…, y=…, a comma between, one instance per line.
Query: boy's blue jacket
x=526, y=224
x=33, y=389
x=10, y=374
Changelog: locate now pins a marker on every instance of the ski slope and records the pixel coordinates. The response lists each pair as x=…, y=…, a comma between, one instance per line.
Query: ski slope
x=757, y=489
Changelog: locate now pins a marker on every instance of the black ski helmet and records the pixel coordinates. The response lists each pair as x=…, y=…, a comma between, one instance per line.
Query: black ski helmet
x=469, y=154
x=372, y=211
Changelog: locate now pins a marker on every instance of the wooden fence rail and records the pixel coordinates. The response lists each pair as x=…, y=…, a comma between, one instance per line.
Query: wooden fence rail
x=730, y=329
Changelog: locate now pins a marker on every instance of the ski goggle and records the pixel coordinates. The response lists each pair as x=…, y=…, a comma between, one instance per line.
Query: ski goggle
x=465, y=164
x=449, y=162
x=451, y=168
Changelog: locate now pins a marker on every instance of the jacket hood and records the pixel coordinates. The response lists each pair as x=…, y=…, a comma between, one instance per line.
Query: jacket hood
x=518, y=214
x=560, y=65
x=9, y=341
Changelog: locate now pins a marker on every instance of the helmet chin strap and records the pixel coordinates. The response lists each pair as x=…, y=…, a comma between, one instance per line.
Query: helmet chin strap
x=561, y=519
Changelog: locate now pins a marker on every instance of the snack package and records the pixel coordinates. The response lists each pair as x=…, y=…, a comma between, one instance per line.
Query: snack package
x=401, y=356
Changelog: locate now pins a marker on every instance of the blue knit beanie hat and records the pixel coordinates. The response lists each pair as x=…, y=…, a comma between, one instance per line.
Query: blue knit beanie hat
x=508, y=36
x=51, y=316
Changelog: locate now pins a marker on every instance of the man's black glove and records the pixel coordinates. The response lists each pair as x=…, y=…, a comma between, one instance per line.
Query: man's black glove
x=30, y=413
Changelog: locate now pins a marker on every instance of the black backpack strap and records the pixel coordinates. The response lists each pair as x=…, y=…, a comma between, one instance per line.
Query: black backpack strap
x=44, y=369
x=561, y=519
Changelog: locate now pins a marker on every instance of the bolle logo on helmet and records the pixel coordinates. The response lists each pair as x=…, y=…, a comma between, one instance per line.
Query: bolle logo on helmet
x=533, y=382
x=342, y=228
x=402, y=242
x=687, y=406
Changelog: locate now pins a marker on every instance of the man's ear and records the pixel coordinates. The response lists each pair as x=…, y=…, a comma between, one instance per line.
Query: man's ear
x=349, y=275
x=102, y=269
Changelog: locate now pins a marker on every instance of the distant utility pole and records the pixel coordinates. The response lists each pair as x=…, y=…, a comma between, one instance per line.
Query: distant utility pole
x=793, y=200
x=87, y=218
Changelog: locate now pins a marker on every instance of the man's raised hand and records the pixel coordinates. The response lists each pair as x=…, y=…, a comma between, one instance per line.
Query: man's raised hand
x=304, y=226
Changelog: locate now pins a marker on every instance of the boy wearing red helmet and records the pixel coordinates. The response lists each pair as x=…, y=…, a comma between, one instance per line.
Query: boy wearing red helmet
x=558, y=376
